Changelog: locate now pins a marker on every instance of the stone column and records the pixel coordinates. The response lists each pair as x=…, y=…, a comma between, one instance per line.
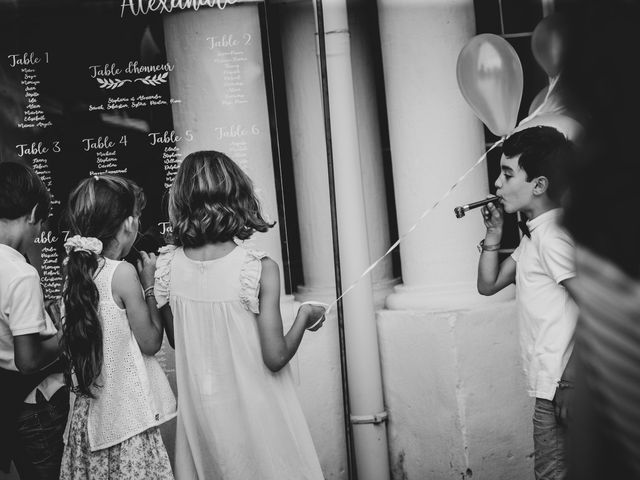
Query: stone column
x=371, y=156
x=308, y=148
x=306, y=122
x=220, y=85
x=435, y=138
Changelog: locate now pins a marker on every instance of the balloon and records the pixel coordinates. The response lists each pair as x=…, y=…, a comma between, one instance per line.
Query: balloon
x=538, y=100
x=548, y=43
x=564, y=124
x=490, y=79
x=553, y=104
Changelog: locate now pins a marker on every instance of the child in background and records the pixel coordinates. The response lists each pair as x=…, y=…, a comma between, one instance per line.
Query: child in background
x=542, y=268
x=238, y=416
x=34, y=401
x=111, y=330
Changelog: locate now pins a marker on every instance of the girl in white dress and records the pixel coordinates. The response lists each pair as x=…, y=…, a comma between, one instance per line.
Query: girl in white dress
x=111, y=330
x=238, y=414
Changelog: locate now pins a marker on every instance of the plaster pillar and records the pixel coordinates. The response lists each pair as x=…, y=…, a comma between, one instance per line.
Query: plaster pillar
x=306, y=123
x=219, y=80
x=434, y=138
x=371, y=156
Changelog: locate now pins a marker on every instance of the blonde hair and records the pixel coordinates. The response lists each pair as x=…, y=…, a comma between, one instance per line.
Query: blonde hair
x=213, y=200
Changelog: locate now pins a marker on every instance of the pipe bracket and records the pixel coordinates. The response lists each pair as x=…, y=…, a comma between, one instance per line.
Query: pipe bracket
x=374, y=418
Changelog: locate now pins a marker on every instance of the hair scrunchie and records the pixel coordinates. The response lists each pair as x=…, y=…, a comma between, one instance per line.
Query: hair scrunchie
x=83, y=244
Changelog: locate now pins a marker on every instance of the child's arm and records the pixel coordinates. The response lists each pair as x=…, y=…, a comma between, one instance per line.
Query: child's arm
x=277, y=349
x=142, y=312
x=31, y=351
x=563, y=398
x=167, y=320
x=492, y=275
x=32, y=354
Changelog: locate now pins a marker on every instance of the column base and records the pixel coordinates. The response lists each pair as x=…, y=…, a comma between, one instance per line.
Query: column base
x=453, y=296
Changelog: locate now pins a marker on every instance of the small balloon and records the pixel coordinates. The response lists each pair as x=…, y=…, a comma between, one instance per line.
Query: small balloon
x=490, y=78
x=538, y=100
x=572, y=129
x=554, y=104
x=548, y=43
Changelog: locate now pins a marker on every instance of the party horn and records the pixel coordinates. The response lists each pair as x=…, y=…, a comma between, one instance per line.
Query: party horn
x=460, y=211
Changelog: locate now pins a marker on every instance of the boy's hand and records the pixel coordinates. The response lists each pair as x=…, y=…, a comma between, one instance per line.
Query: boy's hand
x=562, y=403
x=146, y=267
x=493, y=219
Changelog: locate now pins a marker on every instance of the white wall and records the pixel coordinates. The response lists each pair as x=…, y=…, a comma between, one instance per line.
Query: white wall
x=456, y=394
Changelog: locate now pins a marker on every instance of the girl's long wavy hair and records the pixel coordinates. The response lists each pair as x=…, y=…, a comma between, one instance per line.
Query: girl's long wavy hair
x=96, y=208
x=212, y=200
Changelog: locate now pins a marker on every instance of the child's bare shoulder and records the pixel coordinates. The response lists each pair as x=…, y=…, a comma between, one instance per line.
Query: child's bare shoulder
x=269, y=268
x=124, y=276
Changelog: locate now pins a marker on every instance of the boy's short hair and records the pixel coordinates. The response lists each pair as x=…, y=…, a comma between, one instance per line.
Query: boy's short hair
x=544, y=151
x=20, y=190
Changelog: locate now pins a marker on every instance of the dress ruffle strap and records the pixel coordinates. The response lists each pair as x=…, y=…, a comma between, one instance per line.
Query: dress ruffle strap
x=162, y=274
x=250, y=280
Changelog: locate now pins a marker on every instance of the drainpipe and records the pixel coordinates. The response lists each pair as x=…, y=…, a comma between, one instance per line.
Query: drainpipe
x=367, y=412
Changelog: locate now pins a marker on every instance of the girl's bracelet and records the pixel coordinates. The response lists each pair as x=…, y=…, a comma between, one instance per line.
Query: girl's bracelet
x=148, y=292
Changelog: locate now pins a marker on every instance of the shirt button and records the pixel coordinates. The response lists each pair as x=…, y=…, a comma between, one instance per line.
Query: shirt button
x=157, y=416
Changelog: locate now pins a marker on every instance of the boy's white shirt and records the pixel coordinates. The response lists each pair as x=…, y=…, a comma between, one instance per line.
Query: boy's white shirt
x=547, y=314
x=20, y=283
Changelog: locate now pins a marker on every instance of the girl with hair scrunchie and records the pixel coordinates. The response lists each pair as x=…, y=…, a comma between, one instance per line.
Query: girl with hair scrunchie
x=111, y=330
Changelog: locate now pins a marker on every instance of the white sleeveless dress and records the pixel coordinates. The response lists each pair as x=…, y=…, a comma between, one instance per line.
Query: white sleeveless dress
x=237, y=420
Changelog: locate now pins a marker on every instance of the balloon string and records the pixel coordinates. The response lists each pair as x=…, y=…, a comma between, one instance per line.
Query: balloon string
x=552, y=84
x=416, y=224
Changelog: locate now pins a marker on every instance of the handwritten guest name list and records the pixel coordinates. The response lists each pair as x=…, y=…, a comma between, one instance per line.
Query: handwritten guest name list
x=38, y=153
x=171, y=155
x=112, y=77
x=28, y=63
x=106, y=153
x=230, y=53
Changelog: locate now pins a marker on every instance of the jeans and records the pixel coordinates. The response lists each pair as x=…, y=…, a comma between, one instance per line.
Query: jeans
x=549, y=441
x=38, y=446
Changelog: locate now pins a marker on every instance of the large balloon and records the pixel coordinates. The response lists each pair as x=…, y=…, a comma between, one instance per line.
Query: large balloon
x=490, y=78
x=571, y=128
x=548, y=43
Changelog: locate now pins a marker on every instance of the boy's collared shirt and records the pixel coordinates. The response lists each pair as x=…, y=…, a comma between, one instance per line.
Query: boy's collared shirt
x=22, y=313
x=547, y=314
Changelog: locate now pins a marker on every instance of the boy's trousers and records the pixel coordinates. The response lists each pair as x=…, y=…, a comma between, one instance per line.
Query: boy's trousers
x=549, y=441
x=38, y=448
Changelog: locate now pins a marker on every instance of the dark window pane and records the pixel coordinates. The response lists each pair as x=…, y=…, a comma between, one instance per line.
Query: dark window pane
x=521, y=15
x=487, y=16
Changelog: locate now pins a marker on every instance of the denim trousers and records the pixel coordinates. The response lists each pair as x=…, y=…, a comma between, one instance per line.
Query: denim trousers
x=549, y=442
x=38, y=447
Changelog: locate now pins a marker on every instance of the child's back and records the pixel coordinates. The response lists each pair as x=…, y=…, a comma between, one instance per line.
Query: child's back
x=109, y=325
x=133, y=393
x=237, y=419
